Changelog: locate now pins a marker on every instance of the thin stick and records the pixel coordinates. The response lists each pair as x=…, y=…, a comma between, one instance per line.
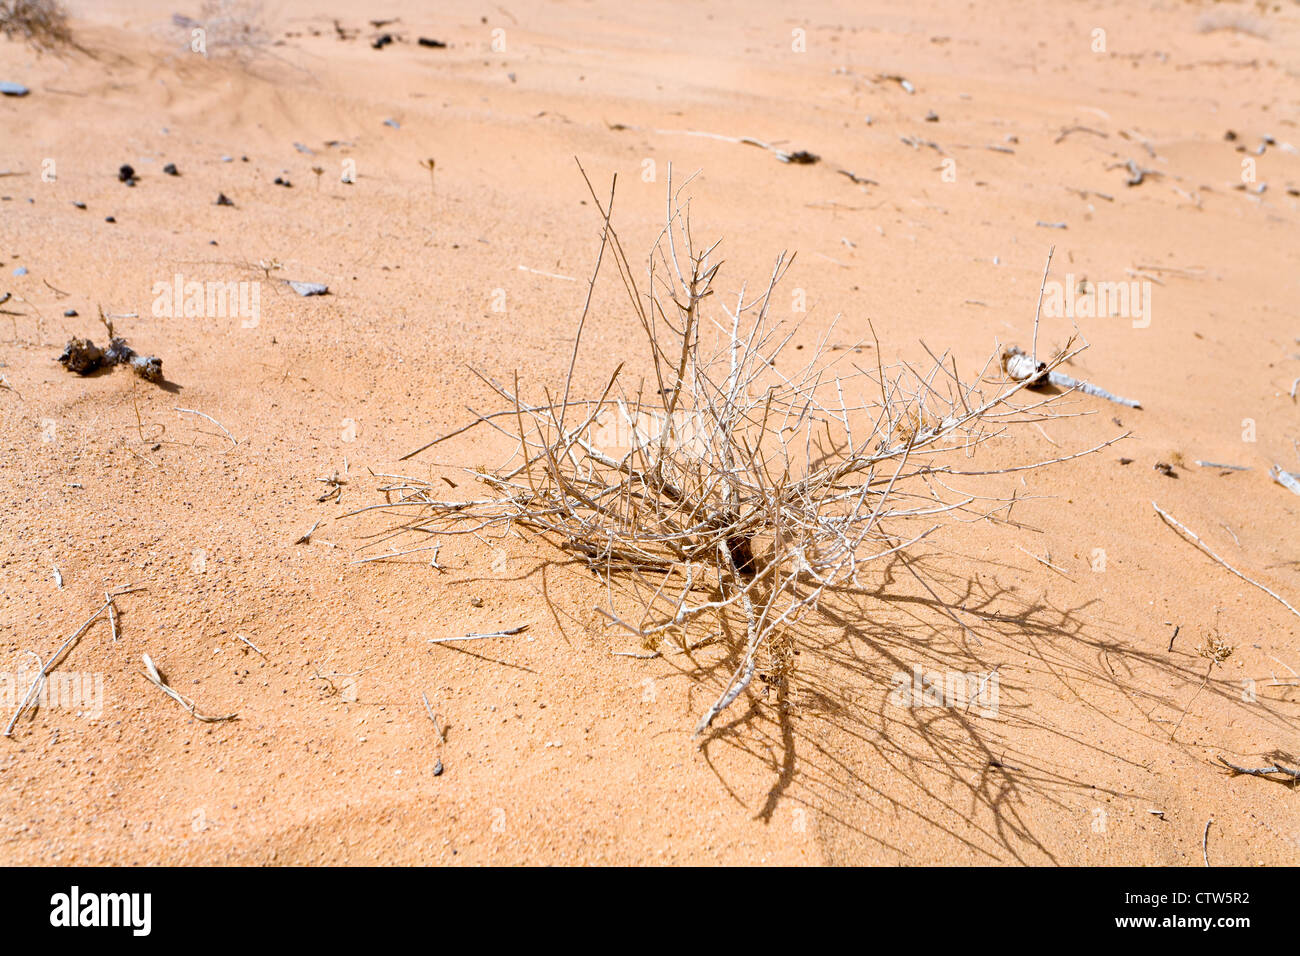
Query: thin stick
x=1037, y=311
x=112, y=615
x=1044, y=561
x=53, y=659
x=429, y=710
x=1205, y=839
x=549, y=275
x=1204, y=547
x=397, y=554
x=250, y=644
x=190, y=411
x=45, y=668
x=1285, y=478
x=1066, y=381
x=478, y=637
x=306, y=538
x=1262, y=771
x=151, y=672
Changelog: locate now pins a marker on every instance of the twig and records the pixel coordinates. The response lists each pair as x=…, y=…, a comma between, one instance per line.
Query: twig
x=1205, y=840
x=478, y=637
x=151, y=672
x=306, y=538
x=190, y=411
x=1216, y=465
x=1065, y=381
x=549, y=275
x=429, y=710
x=397, y=554
x=250, y=644
x=54, y=658
x=1204, y=547
x=112, y=615
x=1044, y=561
x=1047, y=267
x=1262, y=771
x=1285, y=478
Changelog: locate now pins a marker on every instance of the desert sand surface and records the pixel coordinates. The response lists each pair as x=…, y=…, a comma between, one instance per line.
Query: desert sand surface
x=1105, y=744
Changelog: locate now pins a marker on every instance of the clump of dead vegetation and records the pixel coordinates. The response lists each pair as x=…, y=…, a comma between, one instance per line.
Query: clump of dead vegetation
x=714, y=493
x=234, y=27
x=85, y=357
x=42, y=24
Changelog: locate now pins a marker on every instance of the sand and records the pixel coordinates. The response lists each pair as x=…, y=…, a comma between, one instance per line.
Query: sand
x=556, y=750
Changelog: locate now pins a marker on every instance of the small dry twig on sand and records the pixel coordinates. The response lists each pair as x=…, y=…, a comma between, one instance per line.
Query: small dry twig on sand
x=54, y=658
x=508, y=632
x=1262, y=771
x=1022, y=368
x=432, y=716
x=190, y=411
x=1195, y=538
x=151, y=672
x=1285, y=478
x=1216, y=651
x=250, y=644
x=1205, y=842
x=725, y=492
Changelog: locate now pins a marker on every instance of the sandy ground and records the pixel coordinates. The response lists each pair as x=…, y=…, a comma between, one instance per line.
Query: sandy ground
x=558, y=751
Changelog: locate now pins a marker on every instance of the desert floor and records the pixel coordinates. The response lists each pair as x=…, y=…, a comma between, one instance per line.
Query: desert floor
x=1104, y=748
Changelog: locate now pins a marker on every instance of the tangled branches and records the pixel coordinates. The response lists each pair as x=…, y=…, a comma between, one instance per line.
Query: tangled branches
x=722, y=494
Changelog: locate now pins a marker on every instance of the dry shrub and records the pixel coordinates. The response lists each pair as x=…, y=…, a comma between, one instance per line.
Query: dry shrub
x=1235, y=21
x=722, y=495
x=43, y=24
x=234, y=27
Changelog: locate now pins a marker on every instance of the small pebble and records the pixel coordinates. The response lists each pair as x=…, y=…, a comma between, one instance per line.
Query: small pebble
x=69, y=313
x=13, y=89
x=282, y=182
x=171, y=170
x=309, y=288
x=20, y=271
x=224, y=200
x=437, y=768
x=393, y=123
x=126, y=174
x=110, y=219
x=79, y=204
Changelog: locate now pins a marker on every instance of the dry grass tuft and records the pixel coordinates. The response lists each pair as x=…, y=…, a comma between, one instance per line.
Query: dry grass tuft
x=42, y=24
x=1234, y=21
x=233, y=27
x=719, y=494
